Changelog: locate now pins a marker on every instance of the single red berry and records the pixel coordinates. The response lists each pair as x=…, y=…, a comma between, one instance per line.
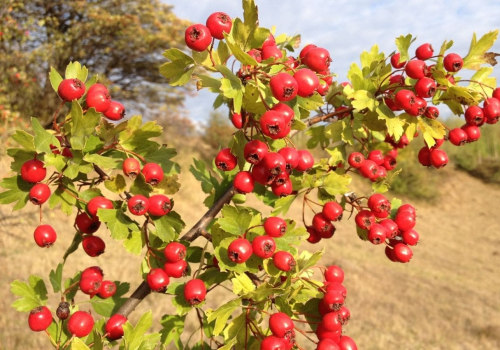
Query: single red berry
x=368, y=169
x=237, y=120
x=416, y=69
x=291, y=156
x=389, y=162
x=331, y=322
x=159, y=205
x=307, y=81
x=283, y=261
x=344, y=315
x=473, y=132
x=85, y=224
x=284, y=188
x=90, y=285
x=219, y=23
x=261, y=174
x=107, y=289
x=402, y=252
x=92, y=272
x=410, y=237
x=453, y=62
x=431, y=112
x=327, y=340
x=491, y=110
x=198, y=37
x=93, y=245
x=283, y=87
x=195, y=291
x=334, y=273
x=256, y=54
x=438, y=158
x=157, y=280
x=272, y=342
x=131, y=167
x=225, y=160
x=323, y=87
x=333, y=300
x=263, y=246
x=39, y=319
x=62, y=311
x=332, y=211
x=417, y=108
x=328, y=344
x=306, y=160
x=80, y=324
x=275, y=226
x=395, y=61
x=114, y=326
x=33, y=171
x=322, y=225
x=45, y=236
x=347, y=343
x=153, y=173
x=273, y=124
x=391, y=228
x=405, y=98
x=365, y=219
x=115, y=111
x=457, y=136
x=318, y=59
x=355, y=159
x=243, y=182
x=174, y=251
x=424, y=51
x=274, y=163
x=378, y=204
x=271, y=51
x=474, y=115
x=377, y=233
x=281, y=325
x=239, y=251
x=176, y=269
x=39, y=193
x=424, y=156
x=98, y=98
x=376, y=156
x=269, y=41
x=97, y=203
x=425, y=87
x=405, y=220
x=408, y=208
x=305, y=50
x=314, y=236
x=71, y=89
x=285, y=111
x=138, y=204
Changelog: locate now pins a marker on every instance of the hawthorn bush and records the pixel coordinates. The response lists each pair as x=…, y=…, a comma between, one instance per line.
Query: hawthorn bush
x=104, y=172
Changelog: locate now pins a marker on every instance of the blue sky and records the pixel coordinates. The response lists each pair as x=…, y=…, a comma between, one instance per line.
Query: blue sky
x=346, y=28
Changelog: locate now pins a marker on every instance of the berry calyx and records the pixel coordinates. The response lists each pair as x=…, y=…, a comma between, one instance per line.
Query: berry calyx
x=71, y=89
x=80, y=324
x=195, y=291
x=39, y=319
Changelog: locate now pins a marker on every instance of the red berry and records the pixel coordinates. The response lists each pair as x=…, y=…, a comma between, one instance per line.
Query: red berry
x=347, y=343
x=153, y=173
x=261, y=174
x=176, y=269
x=263, y=246
x=431, y=112
x=334, y=273
x=377, y=234
x=376, y=156
x=93, y=245
x=225, y=160
x=283, y=87
x=453, y=62
x=107, y=289
x=33, y=171
x=405, y=220
x=416, y=69
x=307, y=81
x=417, y=108
x=291, y=156
x=237, y=120
x=115, y=111
x=306, y=160
x=273, y=125
x=389, y=162
x=283, y=261
x=355, y=159
x=195, y=291
x=275, y=226
x=274, y=163
x=285, y=111
x=328, y=344
x=378, y=204
x=283, y=188
x=90, y=285
x=92, y=272
x=457, y=136
x=157, y=280
x=405, y=99
x=410, y=237
x=256, y=54
x=39, y=194
x=80, y=324
x=39, y=319
x=138, y=205
x=314, y=236
x=159, y=205
x=243, y=182
x=365, y=219
x=318, y=59
x=174, y=251
x=131, y=167
x=45, y=236
x=491, y=110
x=239, y=251
x=424, y=156
x=98, y=98
x=305, y=50
x=281, y=325
x=85, y=224
x=198, y=37
x=402, y=252
x=391, y=228
x=474, y=116
x=96, y=203
x=332, y=211
x=322, y=225
x=219, y=23
x=438, y=158
x=424, y=51
x=71, y=89
x=331, y=322
x=409, y=208
x=271, y=51
x=333, y=300
x=272, y=342
x=368, y=169
x=395, y=61
x=114, y=326
x=473, y=132
x=425, y=87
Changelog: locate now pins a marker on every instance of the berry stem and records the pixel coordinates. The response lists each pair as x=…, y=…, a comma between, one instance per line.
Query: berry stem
x=55, y=126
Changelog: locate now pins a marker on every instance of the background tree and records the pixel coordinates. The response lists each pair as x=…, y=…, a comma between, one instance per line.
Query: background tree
x=120, y=40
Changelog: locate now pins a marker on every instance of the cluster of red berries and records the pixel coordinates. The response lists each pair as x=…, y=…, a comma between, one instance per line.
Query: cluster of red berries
x=198, y=37
x=283, y=334
x=377, y=225
x=98, y=97
x=152, y=172
x=92, y=283
x=322, y=223
x=376, y=165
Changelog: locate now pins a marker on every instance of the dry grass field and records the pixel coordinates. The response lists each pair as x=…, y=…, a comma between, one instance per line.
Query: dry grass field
x=448, y=297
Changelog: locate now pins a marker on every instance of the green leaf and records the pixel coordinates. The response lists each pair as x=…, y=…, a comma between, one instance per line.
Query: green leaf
x=311, y=103
x=476, y=56
x=135, y=338
x=118, y=223
x=55, y=78
x=56, y=278
x=25, y=140
x=17, y=191
x=74, y=70
x=179, y=71
x=162, y=157
x=102, y=161
x=362, y=99
x=31, y=294
x=168, y=226
x=181, y=305
x=116, y=184
x=282, y=205
x=222, y=314
x=134, y=242
x=234, y=91
x=236, y=220
x=482, y=76
x=82, y=126
x=172, y=328
x=61, y=197
x=137, y=134
x=250, y=15
x=403, y=44
x=242, y=284
x=109, y=306
x=307, y=260
x=78, y=344
x=43, y=138
x=209, y=82
x=239, y=54
x=77, y=239
x=393, y=123
x=336, y=184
